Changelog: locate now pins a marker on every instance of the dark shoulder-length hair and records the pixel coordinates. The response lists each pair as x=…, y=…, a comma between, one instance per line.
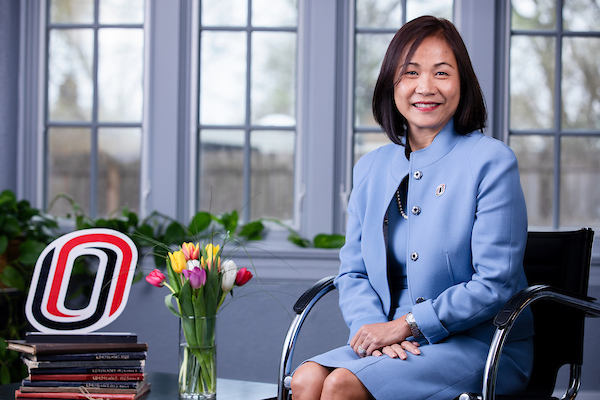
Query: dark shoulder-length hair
x=471, y=113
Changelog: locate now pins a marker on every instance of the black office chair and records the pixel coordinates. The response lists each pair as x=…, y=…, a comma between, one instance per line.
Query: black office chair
x=557, y=267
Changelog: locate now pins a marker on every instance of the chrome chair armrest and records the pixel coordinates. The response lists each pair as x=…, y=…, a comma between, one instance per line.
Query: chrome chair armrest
x=505, y=319
x=302, y=307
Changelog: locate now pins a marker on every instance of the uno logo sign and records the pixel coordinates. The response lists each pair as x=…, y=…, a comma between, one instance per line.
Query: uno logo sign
x=117, y=259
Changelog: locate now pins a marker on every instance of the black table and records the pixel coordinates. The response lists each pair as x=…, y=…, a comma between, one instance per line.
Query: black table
x=164, y=387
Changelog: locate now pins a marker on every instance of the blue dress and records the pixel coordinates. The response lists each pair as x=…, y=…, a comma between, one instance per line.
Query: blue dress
x=427, y=375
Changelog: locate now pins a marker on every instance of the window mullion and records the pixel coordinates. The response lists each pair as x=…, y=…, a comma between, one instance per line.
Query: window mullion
x=557, y=115
x=93, y=210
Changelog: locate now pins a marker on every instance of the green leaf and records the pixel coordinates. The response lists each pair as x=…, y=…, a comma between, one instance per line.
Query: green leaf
x=175, y=233
x=11, y=226
x=2, y=348
x=298, y=240
x=329, y=241
x=144, y=235
x=30, y=250
x=230, y=221
x=252, y=230
x=12, y=278
x=200, y=222
x=132, y=219
x=4, y=375
x=3, y=243
x=160, y=256
x=8, y=200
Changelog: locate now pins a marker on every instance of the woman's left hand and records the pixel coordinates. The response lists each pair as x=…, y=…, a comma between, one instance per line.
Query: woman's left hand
x=372, y=337
x=399, y=350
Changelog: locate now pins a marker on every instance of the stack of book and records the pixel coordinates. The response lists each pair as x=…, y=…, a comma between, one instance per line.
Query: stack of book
x=98, y=365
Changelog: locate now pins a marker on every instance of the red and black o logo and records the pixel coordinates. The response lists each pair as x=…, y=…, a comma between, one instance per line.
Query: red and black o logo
x=117, y=259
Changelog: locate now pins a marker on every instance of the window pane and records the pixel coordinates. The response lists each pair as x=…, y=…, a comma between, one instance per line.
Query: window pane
x=366, y=142
x=121, y=11
x=272, y=174
x=536, y=166
x=370, y=49
x=532, y=69
x=223, y=78
x=120, y=74
x=68, y=168
x=274, y=13
x=118, y=169
x=580, y=83
x=581, y=15
x=72, y=11
x=438, y=8
x=533, y=14
x=224, y=12
x=580, y=191
x=273, y=78
x=221, y=187
x=70, y=82
x=378, y=14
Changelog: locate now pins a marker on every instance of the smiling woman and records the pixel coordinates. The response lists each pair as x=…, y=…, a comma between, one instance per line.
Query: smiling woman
x=435, y=238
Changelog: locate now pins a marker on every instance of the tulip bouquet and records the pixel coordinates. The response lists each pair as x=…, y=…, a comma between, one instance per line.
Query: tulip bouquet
x=199, y=281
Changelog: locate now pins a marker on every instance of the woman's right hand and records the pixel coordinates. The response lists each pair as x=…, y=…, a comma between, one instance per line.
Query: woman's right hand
x=398, y=350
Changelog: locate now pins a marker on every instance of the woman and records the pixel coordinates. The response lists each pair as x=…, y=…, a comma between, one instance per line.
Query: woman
x=435, y=238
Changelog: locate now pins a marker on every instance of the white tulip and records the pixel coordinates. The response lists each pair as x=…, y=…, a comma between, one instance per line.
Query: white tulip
x=229, y=271
x=191, y=264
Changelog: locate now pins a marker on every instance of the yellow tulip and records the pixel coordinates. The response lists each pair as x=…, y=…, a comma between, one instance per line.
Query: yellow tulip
x=177, y=261
x=211, y=250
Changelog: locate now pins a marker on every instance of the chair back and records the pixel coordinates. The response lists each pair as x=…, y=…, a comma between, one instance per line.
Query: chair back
x=560, y=259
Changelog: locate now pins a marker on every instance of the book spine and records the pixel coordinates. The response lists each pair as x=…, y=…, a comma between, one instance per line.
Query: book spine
x=89, y=384
x=90, y=370
x=83, y=364
x=125, y=355
x=67, y=395
x=87, y=377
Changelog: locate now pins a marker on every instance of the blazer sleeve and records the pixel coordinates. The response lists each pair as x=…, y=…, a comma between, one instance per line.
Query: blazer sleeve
x=498, y=239
x=359, y=302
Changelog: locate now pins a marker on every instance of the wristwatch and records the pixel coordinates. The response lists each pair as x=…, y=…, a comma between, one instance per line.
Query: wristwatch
x=412, y=323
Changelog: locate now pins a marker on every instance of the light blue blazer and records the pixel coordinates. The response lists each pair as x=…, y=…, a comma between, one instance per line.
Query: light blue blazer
x=467, y=229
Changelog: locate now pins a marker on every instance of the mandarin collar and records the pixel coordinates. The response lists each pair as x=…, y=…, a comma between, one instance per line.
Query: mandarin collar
x=441, y=145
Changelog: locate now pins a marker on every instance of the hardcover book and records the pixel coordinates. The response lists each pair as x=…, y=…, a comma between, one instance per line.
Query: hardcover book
x=121, y=355
x=87, y=384
x=93, y=337
x=83, y=364
x=87, y=377
x=83, y=394
x=72, y=348
x=88, y=370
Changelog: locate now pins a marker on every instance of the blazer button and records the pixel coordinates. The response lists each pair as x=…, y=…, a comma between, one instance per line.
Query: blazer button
x=418, y=175
x=414, y=256
x=416, y=210
x=420, y=300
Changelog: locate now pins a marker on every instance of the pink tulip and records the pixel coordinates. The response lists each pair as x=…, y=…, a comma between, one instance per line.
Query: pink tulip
x=243, y=276
x=197, y=277
x=156, y=278
x=190, y=251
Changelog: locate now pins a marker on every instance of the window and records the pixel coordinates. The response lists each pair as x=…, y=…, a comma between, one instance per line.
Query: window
x=554, y=102
x=93, y=104
x=247, y=107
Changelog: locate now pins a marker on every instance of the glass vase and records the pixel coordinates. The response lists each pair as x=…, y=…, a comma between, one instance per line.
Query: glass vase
x=197, y=358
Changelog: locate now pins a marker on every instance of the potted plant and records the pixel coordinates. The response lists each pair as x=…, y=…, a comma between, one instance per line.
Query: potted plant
x=24, y=233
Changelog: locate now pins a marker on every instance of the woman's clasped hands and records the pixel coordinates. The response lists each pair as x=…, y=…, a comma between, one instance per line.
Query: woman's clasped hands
x=385, y=338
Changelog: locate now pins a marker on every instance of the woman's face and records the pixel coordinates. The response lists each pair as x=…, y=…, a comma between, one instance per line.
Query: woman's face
x=429, y=91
